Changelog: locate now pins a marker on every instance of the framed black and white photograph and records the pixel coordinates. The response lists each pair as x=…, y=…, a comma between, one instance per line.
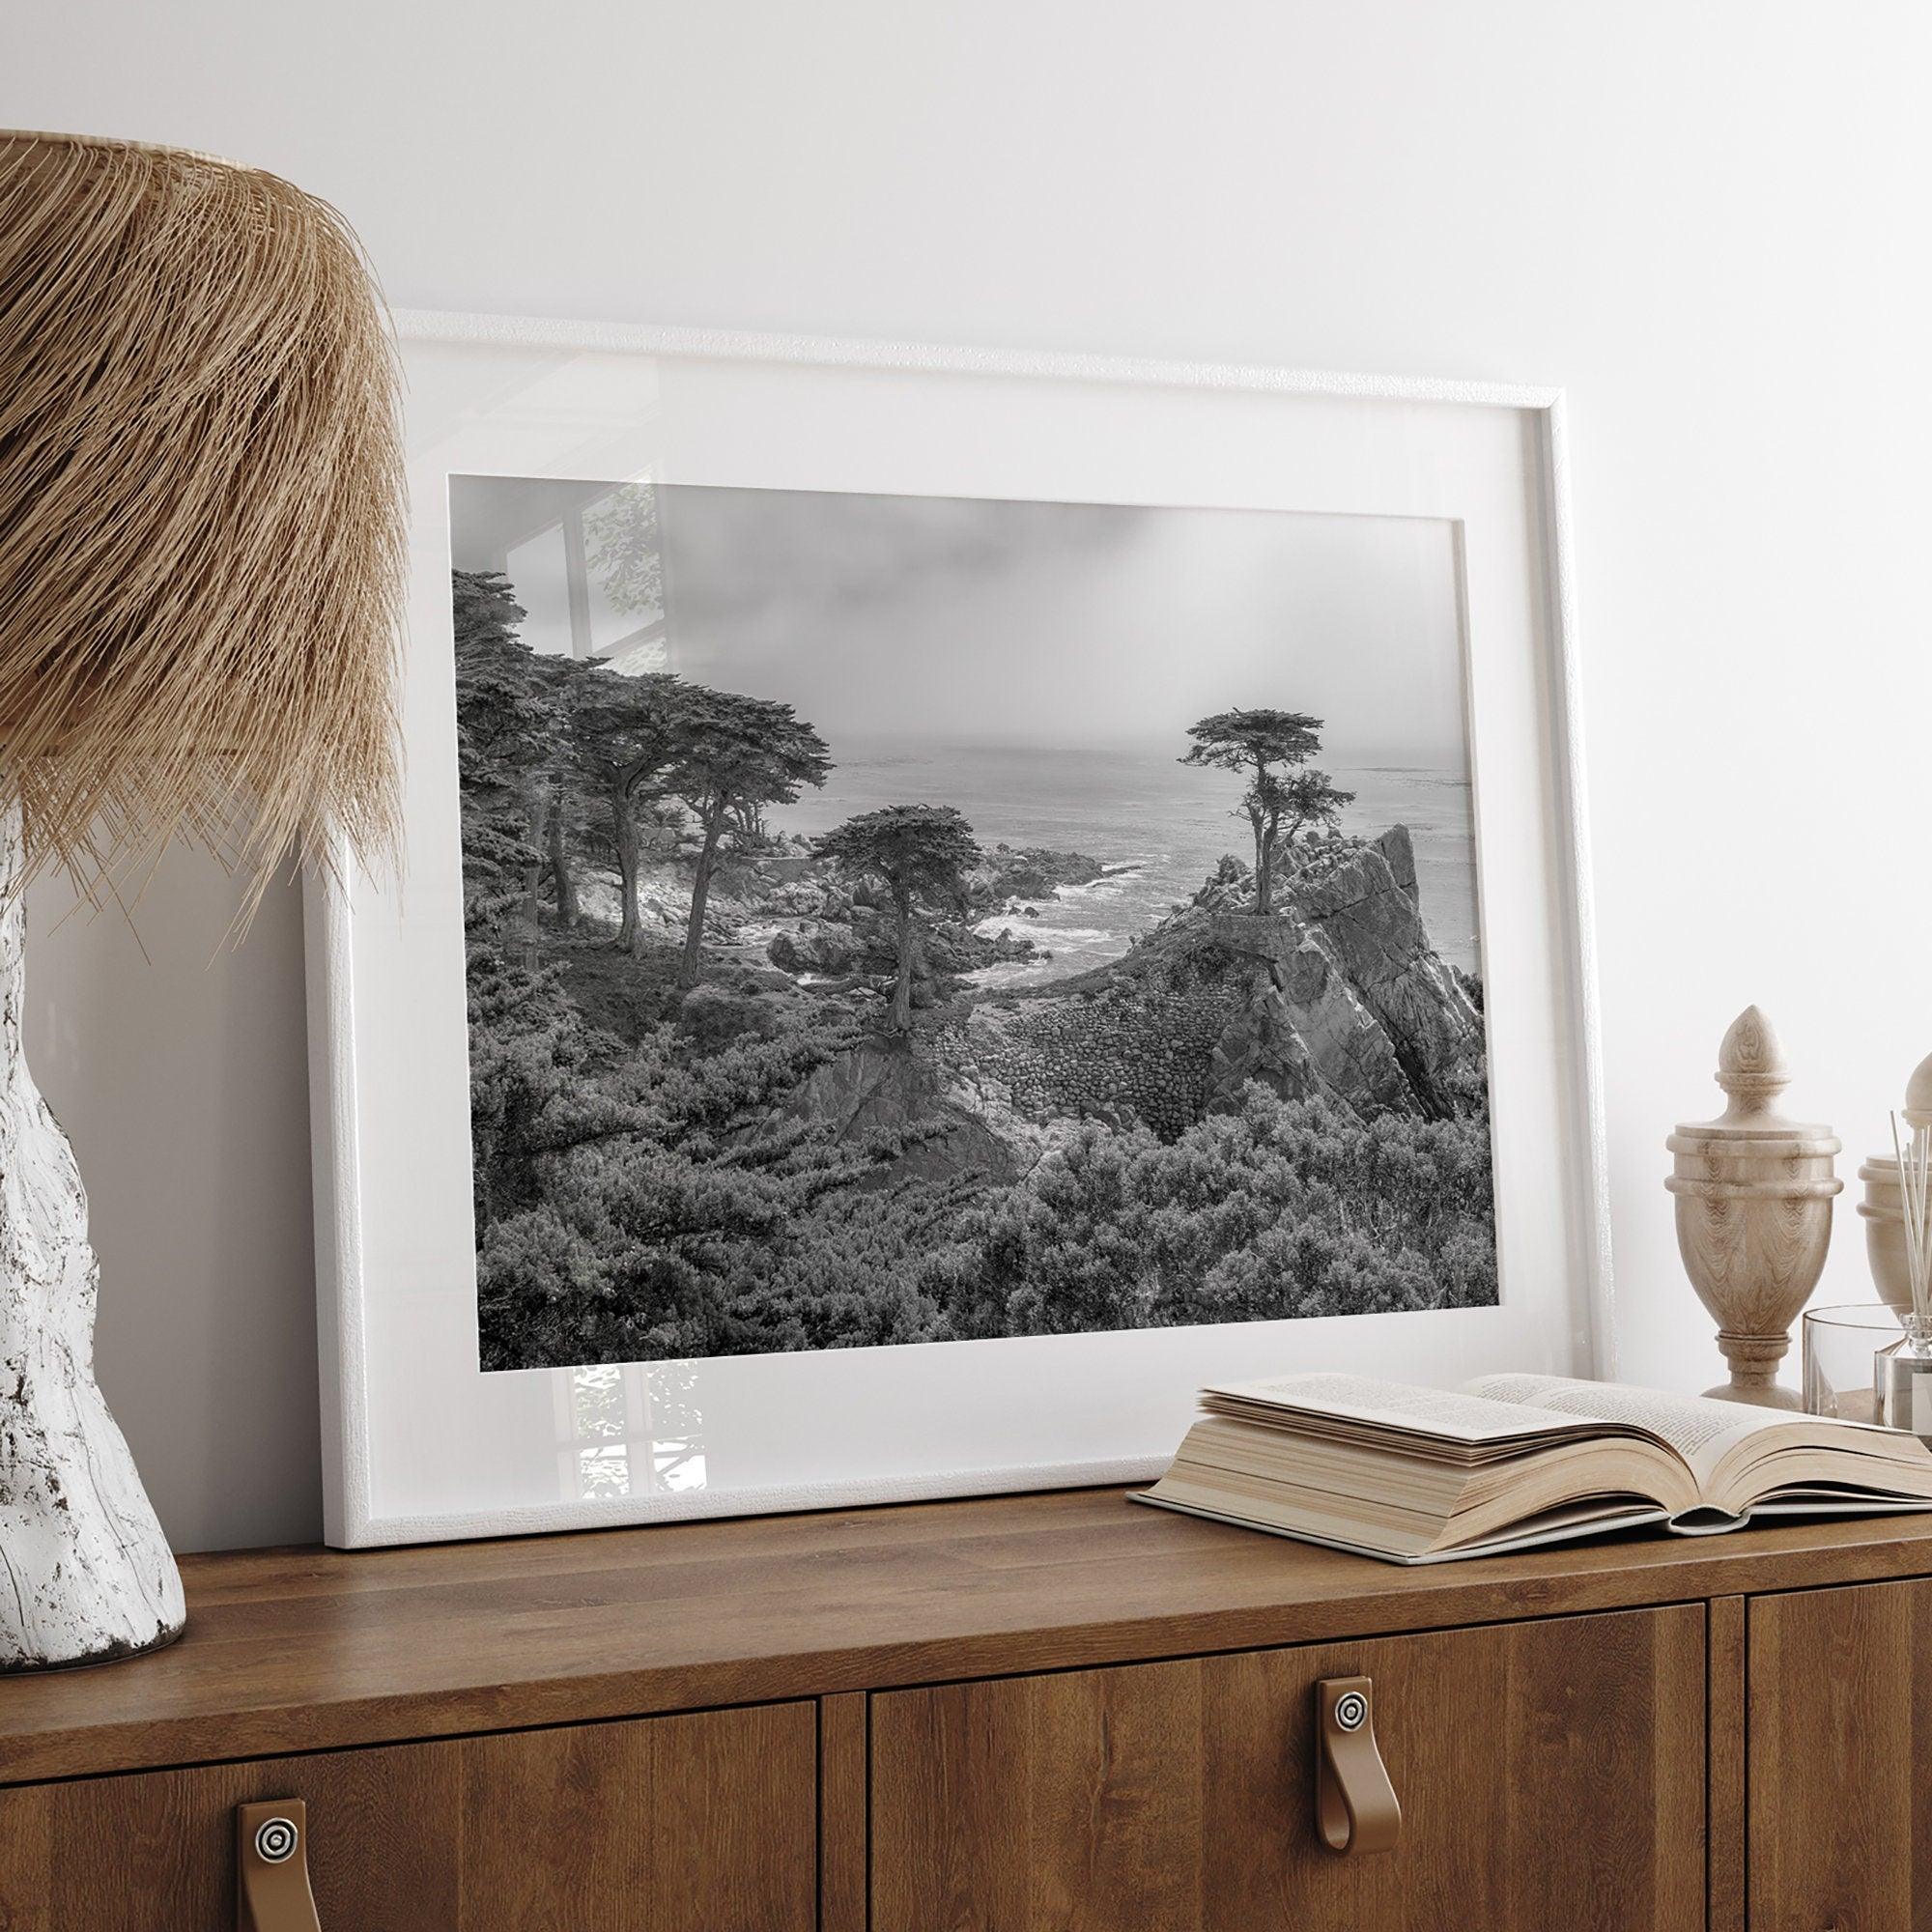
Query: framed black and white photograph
x=949, y=900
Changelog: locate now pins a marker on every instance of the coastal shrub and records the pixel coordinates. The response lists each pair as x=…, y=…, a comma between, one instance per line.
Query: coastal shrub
x=634, y=1203
x=1284, y=1209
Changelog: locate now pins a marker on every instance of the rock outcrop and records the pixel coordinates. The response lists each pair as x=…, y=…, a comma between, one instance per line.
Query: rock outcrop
x=1028, y=872
x=1300, y=1026
x=1359, y=902
x=1336, y=992
x=826, y=950
x=1399, y=849
x=885, y=1086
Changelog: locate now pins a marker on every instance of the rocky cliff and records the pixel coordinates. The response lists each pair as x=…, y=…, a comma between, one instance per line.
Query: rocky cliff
x=1346, y=995
x=1336, y=992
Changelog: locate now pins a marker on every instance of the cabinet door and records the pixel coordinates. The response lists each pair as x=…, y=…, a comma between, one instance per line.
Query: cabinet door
x=688, y=1824
x=1839, y=1802
x=1550, y=1774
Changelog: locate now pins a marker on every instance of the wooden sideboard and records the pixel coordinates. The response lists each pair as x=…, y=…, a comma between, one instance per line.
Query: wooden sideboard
x=1004, y=1715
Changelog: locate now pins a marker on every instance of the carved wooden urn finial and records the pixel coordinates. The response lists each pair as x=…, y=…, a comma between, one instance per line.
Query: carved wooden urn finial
x=1882, y=1209
x=1752, y=1069
x=1919, y=1095
x=1755, y=1193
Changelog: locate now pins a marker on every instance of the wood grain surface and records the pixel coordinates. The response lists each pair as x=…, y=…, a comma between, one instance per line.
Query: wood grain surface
x=1550, y=1775
x=1725, y=1725
x=1840, y=1716
x=304, y=1649
x=685, y=1824
x=844, y=1777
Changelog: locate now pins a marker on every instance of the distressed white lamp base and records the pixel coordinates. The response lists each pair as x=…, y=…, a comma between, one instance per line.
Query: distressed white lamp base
x=85, y=1573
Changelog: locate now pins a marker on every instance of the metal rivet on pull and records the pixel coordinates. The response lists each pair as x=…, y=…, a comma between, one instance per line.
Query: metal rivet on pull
x=275, y=1840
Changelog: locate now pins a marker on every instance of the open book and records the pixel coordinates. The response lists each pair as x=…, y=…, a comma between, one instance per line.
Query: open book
x=1419, y=1475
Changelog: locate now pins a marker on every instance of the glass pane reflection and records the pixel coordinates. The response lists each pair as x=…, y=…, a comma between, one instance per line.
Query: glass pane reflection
x=636, y=1428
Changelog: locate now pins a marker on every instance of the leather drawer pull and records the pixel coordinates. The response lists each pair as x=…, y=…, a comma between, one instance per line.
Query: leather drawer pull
x=271, y=1892
x=1355, y=1807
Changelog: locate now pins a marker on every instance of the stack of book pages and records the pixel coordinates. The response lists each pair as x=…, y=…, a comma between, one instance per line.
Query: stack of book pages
x=1420, y=1475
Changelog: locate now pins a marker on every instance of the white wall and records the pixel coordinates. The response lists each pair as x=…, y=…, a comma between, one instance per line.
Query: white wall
x=1707, y=220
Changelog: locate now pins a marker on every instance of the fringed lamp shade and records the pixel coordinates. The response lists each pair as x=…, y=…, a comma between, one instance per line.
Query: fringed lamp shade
x=201, y=538
x=201, y=513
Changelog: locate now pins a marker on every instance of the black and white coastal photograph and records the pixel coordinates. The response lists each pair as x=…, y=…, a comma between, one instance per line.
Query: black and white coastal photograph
x=916, y=919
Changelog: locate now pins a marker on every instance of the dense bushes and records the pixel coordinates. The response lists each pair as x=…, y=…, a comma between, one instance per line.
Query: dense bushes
x=633, y=1205
x=1285, y=1209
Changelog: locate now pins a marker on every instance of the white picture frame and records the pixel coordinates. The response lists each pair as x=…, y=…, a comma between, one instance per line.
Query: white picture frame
x=418, y=1443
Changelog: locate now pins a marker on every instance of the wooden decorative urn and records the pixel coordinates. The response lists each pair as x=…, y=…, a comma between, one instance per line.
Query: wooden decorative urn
x=1882, y=1209
x=1755, y=1193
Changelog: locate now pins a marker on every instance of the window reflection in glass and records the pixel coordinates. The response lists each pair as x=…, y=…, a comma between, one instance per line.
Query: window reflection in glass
x=636, y=1429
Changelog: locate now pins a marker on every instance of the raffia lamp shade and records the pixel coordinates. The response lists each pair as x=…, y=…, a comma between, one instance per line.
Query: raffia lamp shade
x=201, y=542
x=201, y=511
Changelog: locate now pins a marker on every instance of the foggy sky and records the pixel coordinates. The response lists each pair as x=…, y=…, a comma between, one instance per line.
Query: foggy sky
x=1050, y=624
x=1065, y=624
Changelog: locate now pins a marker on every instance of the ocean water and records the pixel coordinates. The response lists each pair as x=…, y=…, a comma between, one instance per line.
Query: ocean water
x=1168, y=823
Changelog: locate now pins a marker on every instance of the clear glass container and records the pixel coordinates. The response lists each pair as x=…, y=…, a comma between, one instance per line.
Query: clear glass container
x=1841, y=1348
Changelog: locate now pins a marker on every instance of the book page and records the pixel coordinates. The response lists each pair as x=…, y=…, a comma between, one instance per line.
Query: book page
x=1465, y=1415
x=1699, y=1427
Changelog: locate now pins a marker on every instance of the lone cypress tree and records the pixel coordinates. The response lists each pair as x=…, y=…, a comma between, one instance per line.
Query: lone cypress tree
x=1268, y=748
x=922, y=853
